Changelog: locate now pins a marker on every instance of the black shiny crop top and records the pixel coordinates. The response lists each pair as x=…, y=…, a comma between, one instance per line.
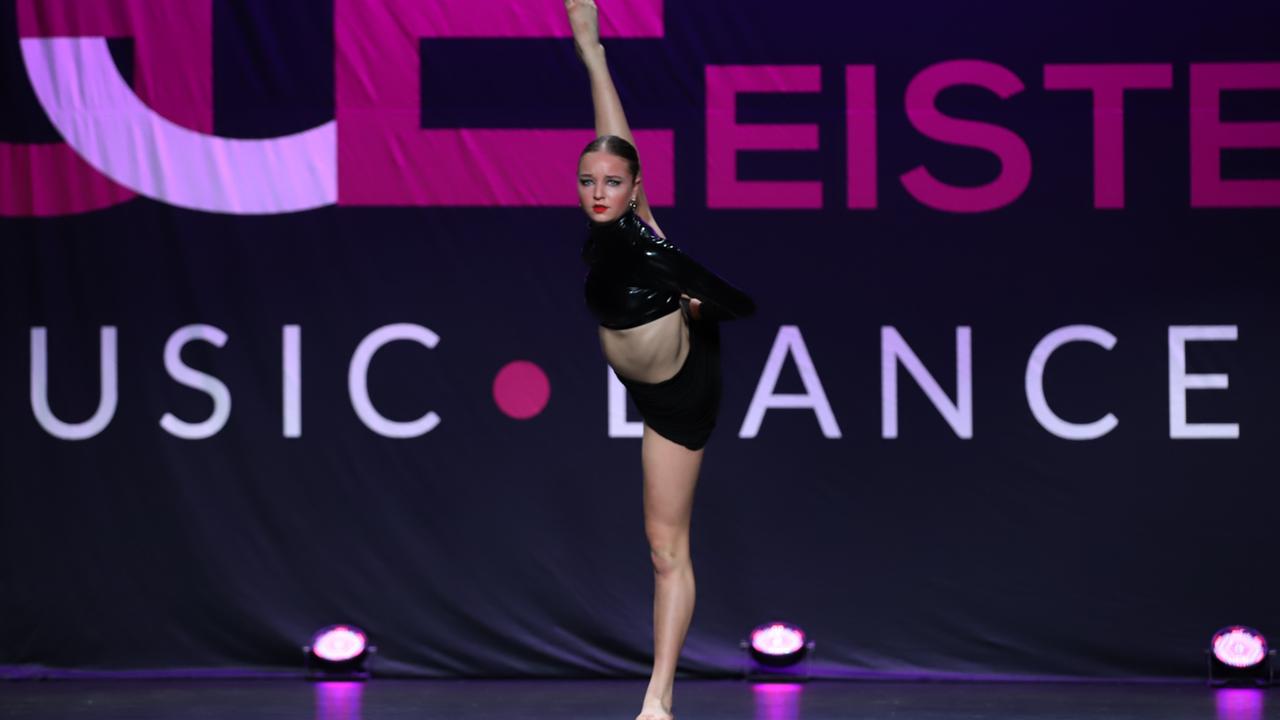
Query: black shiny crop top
x=634, y=276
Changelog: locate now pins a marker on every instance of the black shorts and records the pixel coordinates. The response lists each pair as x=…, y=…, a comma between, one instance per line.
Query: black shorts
x=683, y=408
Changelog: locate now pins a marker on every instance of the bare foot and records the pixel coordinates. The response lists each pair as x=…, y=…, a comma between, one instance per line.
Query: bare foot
x=585, y=21
x=653, y=709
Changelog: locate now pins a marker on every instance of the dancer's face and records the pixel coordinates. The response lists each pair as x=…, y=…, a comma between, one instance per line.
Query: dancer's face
x=605, y=186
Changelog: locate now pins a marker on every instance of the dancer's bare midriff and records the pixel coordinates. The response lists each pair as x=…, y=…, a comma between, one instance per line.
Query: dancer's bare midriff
x=651, y=352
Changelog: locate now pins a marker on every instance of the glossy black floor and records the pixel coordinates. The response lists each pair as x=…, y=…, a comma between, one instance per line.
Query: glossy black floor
x=619, y=700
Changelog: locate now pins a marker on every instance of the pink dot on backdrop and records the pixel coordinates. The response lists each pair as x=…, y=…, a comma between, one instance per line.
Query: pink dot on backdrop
x=521, y=389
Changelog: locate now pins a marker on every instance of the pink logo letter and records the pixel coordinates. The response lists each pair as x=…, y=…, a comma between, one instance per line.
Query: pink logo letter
x=386, y=158
x=1014, y=156
x=1108, y=83
x=1209, y=135
x=860, y=112
x=725, y=137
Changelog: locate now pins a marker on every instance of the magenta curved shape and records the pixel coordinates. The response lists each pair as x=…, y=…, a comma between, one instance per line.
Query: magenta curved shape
x=174, y=55
x=100, y=116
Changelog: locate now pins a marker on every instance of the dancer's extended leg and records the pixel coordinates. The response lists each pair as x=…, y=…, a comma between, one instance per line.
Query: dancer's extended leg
x=670, y=475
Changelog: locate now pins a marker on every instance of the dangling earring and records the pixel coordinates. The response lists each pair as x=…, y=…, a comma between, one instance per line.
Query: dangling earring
x=632, y=204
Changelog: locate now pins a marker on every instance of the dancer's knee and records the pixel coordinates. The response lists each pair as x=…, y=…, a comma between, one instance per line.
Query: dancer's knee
x=669, y=557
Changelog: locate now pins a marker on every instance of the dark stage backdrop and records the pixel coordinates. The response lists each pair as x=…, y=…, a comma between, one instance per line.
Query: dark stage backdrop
x=293, y=333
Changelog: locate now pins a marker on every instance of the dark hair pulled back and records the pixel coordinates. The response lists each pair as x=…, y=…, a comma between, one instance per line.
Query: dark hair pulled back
x=615, y=145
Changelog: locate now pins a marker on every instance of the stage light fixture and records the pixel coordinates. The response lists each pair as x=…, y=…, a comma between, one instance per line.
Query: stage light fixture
x=1239, y=654
x=338, y=652
x=777, y=650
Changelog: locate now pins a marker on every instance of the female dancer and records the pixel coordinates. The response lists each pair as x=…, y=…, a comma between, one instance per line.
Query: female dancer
x=658, y=312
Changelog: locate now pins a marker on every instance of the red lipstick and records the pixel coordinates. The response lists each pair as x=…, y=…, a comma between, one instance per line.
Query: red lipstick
x=599, y=208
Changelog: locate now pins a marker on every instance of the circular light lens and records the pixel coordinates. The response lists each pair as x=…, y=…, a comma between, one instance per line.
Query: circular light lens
x=777, y=639
x=338, y=643
x=1239, y=646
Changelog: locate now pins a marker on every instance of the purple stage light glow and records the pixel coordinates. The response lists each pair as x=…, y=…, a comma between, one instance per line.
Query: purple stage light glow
x=1239, y=646
x=777, y=638
x=339, y=700
x=777, y=701
x=338, y=643
x=1240, y=704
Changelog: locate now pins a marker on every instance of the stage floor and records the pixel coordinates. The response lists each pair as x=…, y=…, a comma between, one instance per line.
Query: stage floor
x=619, y=700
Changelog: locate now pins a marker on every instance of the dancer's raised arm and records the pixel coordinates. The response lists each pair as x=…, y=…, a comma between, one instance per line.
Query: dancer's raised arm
x=610, y=118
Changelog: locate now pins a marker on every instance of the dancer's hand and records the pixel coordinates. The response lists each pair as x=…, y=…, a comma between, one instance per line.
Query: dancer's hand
x=695, y=306
x=584, y=18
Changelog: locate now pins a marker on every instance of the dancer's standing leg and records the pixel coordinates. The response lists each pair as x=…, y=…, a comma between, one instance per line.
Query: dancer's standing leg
x=670, y=476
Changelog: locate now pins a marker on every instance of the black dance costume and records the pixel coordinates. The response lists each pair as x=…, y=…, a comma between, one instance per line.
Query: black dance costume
x=634, y=277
